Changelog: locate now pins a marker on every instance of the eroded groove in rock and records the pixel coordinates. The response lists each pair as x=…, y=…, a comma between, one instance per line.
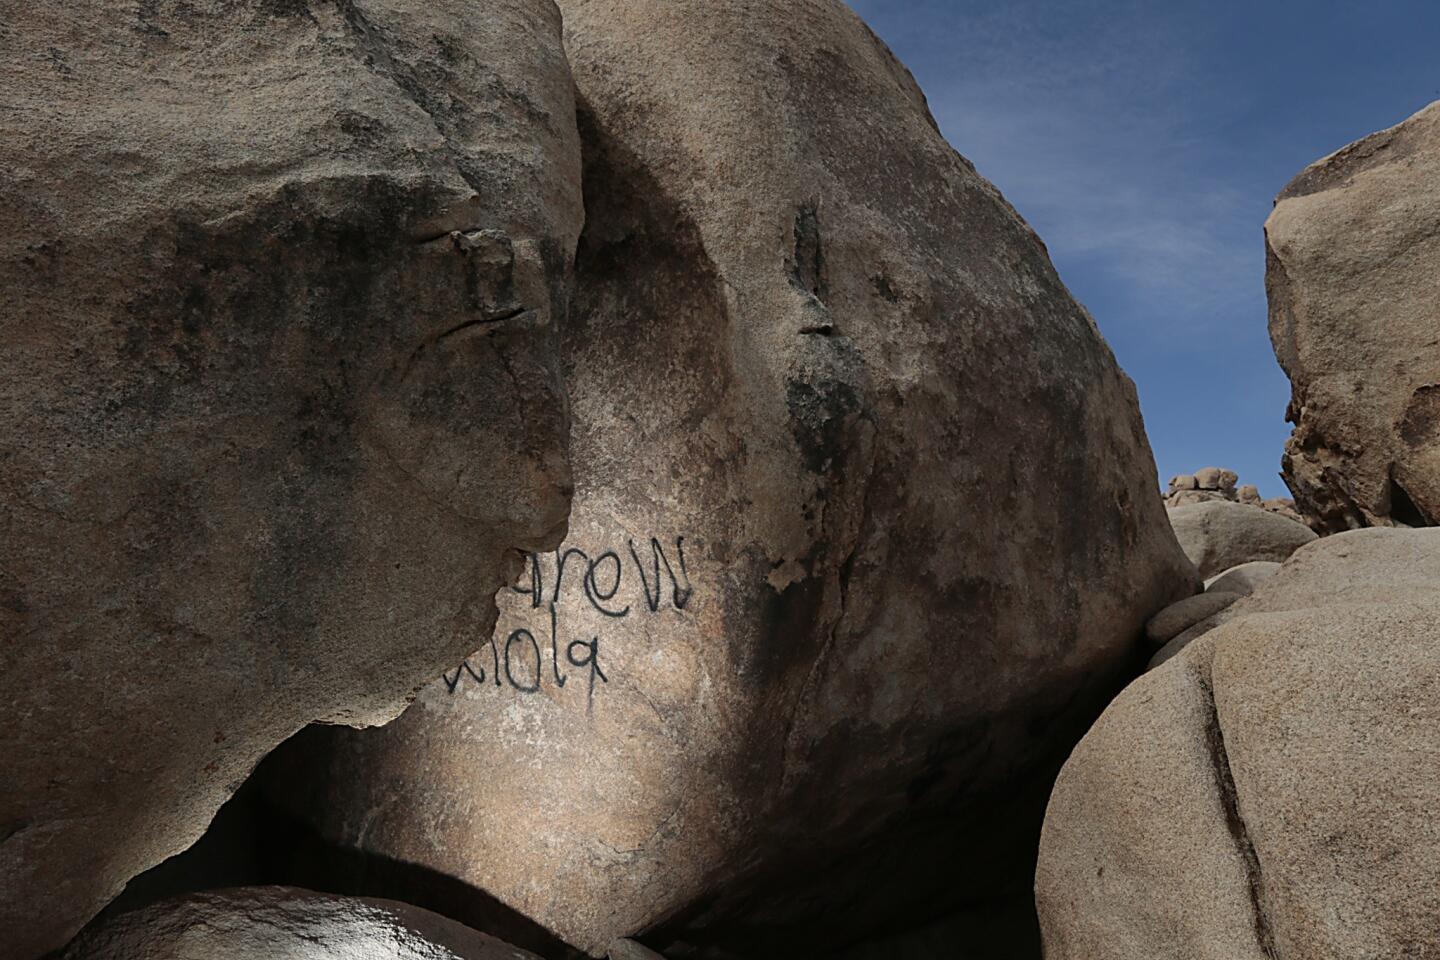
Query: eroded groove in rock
x=1229, y=799
x=1270, y=791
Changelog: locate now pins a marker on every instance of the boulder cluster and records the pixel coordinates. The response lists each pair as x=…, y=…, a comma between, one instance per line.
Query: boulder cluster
x=533, y=480
x=1217, y=483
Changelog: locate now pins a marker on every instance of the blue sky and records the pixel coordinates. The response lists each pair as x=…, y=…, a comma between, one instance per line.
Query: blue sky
x=1145, y=142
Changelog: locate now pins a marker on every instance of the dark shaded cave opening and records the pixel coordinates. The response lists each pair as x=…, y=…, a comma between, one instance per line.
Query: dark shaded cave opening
x=1403, y=508
x=251, y=842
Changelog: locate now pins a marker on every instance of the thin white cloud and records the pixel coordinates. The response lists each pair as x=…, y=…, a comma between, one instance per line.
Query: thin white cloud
x=1079, y=113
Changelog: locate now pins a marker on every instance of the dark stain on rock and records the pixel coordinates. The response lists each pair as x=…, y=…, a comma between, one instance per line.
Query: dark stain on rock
x=885, y=288
x=1418, y=427
x=820, y=414
x=807, y=269
x=1403, y=507
x=787, y=621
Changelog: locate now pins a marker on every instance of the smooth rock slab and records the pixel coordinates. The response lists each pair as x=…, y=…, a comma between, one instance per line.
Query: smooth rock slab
x=285, y=923
x=1177, y=617
x=1242, y=578
x=864, y=533
x=1270, y=792
x=278, y=393
x=1219, y=535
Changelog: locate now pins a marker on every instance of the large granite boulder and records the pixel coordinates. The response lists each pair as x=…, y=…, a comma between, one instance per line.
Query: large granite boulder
x=284, y=923
x=1270, y=791
x=278, y=397
x=1220, y=534
x=1352, y=244
x=864, y=533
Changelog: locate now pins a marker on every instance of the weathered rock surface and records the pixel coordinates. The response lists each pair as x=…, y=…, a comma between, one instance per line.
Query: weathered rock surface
x=276, y=392
x=1271, y=791
x=1242, y=578
x=1219, y=535
x=1186, y=613
x=285, y=923
x=812, y=647
x=1351, y=246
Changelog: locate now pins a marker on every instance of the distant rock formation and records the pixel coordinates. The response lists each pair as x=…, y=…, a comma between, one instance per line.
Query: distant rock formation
x=1271, y=790
x=1216, y=483
x=1353, y=244
x=279, y=399
x=864, y=528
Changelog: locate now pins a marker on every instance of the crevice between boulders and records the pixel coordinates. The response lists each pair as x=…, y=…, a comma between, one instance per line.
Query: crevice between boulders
x=1229, y=802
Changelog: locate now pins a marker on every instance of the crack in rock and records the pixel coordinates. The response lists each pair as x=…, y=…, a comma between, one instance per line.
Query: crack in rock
x=1229, y=801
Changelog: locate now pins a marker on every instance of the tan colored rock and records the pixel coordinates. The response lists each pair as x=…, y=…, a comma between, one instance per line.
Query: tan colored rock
x=1284, y=506
x=1185, y=891
x=1219, y=485
x=1271, y=791
x=1243, y=578
x=1184, y=614
x=1319, y=581
x=1218, y=479
x=802, y=355
x=1351, y=242
x=277, y=393
x=285, y=923
x=1208, y=478
x=1184, y=481
x=1188, y=636
x=1219, y=535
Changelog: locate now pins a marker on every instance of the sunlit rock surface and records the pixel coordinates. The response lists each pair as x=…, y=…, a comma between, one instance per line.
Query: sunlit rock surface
x=1352, y=246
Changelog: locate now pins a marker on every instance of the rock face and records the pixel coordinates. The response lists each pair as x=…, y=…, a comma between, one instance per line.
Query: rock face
x=1351, y=242
x=259, y=923
x=1270, y=792
x=1219, y=535
x=799, y=637
x=277, y=393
